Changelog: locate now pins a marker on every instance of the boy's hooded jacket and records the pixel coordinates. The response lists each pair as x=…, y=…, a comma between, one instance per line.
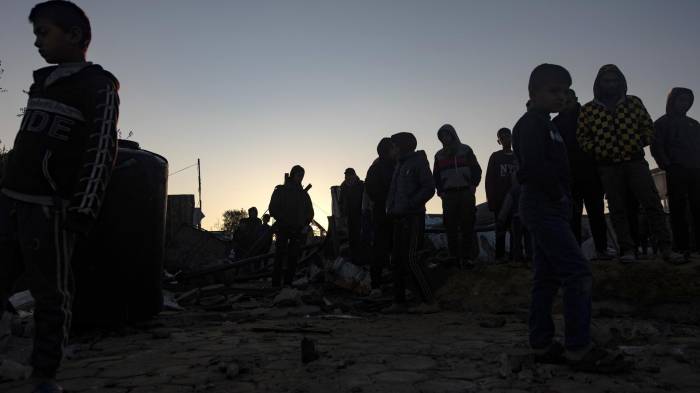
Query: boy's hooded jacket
x=677, y=137
x=379, y=175
x=618, y=134
x=412, y=184
x=67, y=143
x=455, y=165
x=291, y=206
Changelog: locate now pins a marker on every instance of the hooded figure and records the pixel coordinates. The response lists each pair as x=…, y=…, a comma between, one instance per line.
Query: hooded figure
x=377, y=185
x=351, y=193
x=676, y=148
x=455, y=164
x=677, y=136
x=614, y=127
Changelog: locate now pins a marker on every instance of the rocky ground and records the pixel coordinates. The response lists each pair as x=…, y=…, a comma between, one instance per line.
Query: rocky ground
x=253, y=343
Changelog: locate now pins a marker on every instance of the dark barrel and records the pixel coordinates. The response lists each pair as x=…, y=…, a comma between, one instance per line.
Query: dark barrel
x=118, y=269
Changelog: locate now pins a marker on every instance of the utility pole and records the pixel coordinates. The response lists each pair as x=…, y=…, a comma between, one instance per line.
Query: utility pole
x=199, y=180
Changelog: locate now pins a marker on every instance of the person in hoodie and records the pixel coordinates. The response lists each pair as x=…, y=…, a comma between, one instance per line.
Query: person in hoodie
x=56, y=176
x=293, y=212
x=411, y=187
x=615, y=128
x=457, y=174
x=586, y=187
x=246, y=235
x=676, y=148
x=545, y=209
x=351, y=192
x=377, y=183
x=499, y=176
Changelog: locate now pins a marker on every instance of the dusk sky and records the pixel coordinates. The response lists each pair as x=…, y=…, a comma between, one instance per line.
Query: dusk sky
x=255, y=87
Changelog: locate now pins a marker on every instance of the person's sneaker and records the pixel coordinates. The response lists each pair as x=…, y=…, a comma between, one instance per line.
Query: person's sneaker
x=48, y=387
x=628, y=258
x=674, y=258
x=425, y=308
x=553, y=354
x=599, y=361
x=396, y=308
x=604, y=256
x=376, y=293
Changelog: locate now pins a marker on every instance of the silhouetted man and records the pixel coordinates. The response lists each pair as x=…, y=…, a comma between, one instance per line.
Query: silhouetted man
x=265, y=234
x=292, y=210
x=676, y=149
x=351, y=191
x=457, y=174
x=615, y=128
x=586, y=187
x=246, y=234
x=498, y=182
x=377, y=183
x=412, y=186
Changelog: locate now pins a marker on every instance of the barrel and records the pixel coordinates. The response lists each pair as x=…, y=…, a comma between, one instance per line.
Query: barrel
x=118, y=269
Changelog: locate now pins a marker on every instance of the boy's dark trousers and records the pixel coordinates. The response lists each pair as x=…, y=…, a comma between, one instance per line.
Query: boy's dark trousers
x=287, y=248
x=408, y=241
x=684, y=190
x=34, y=243
x=520, y=240
x=501, y=230
x=633, y=177
x=587, y=189
x=557, y=262
x=381, y=246
x=458, y=213
x=355, y=236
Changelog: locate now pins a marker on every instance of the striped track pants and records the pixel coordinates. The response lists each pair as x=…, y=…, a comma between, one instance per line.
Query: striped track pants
x=408, y=241
x=34, y=243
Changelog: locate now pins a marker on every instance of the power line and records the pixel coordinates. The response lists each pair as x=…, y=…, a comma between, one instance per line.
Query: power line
x=176, y=172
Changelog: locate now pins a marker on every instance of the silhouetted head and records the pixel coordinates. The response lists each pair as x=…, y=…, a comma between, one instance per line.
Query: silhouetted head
x=405, y=143
x=548, y=86
x=62, y=31
x=265, y=218
x=385, y=148
x=297, y=174
x=350, y=175
x=504, y=137
x=571, y=99
x=610, y=83
x=253, y=212
x=680, y=100
x=448, y=136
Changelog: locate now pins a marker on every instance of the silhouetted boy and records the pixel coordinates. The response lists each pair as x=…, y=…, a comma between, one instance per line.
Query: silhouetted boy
x=586, y=187
x=676, y=149
x=377, y=183
x=545, y=208
x=292, y=210
x=351, y=192
x=457, y=174
x=246, y=235
x=412, y=185
x=615, y=128
x=56, y=176
x=498, y=182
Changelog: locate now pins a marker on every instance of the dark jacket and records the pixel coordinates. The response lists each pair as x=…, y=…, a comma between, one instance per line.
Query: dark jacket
x=567, y=124
x=412, y=185
x=67, y=143
x=291, y=207
x=351, y=198
x=378, y=178
x=617, y=134
x=247, y=233
x=455, y=166
x=677, y=136
x=541, y=155
x=499, y=178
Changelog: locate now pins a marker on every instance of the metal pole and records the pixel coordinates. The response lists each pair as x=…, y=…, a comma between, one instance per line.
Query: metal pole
x=199, y=179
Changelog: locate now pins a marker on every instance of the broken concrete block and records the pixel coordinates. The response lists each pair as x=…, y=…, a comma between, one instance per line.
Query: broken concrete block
x=308, y=351
x=232, y=370
x=13, y=371
x=288, y=297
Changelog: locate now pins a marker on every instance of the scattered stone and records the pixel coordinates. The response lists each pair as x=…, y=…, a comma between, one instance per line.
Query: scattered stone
x=288, y=297
x=491, y=323
x=232, y=371
x=308, y=351
x=13, y=371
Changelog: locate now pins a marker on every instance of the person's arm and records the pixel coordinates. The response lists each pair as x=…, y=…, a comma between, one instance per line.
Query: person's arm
x=658, y=145
x=475, y=170
x=436, y=177
x=98, y=159
x=584, y=134
x=309, y=209
x=275, y=207
x=426, y=185
x=490, y=180
x=645, y=126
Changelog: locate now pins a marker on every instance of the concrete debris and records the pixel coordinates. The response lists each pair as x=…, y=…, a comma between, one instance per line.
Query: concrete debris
x=288, y=297
x=13, y=371
x=308, y=351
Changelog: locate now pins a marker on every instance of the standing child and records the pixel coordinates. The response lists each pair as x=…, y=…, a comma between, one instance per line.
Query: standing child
x=499, y=175
x=545, y=208
x=56, y=176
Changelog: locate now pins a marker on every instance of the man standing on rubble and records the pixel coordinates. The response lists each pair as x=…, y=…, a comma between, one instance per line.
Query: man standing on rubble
x=292, y=210
x=246, y=235
x=499, y=179
x=351, y=191
x=377, y=184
